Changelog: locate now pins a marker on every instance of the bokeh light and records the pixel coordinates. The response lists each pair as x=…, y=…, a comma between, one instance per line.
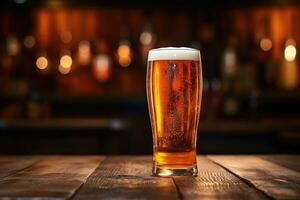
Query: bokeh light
x=66, y=61
x=290, y=41
x=102, y=68
x=124, y=54
x=84, y=52
x=230, y=61
x=290, y=53
x=13, y=46
x=41, y=62
x=146, y=38
x=124, y=61
x=266, y=44
x=84, y=47
x=123, y=50
x=29, y=41
x=64, y=70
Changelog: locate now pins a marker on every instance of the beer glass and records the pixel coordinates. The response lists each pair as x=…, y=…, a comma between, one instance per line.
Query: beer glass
x=174, y=92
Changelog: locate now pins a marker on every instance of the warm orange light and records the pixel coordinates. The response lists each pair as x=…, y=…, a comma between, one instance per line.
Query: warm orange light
x=289, y=75
x=66, y=37
x=66, y=61
x=124, y=56
x=266, y=44
x=289, y=68
x=64, y=70
x=43, y=27
x=41, y=62
x=125, y=62
x=290, y=53
x=84, y=52
x=101, y=68
x=13, y=46
x=123, y=50
x=84, y=46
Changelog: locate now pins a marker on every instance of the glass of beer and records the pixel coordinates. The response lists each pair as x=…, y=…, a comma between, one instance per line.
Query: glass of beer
x=174, y=92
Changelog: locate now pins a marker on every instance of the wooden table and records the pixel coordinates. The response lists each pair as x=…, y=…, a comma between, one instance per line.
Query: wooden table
x=129, y=177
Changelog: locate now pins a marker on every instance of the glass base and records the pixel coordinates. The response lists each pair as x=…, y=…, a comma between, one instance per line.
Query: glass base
x=166, y=171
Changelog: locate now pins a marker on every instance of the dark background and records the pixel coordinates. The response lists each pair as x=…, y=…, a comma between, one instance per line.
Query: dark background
x=97, y=104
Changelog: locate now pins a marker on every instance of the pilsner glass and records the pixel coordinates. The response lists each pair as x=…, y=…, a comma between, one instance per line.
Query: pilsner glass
x=174, y=92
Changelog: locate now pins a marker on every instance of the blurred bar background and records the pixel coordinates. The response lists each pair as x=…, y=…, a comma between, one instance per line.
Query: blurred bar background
x=72, y=74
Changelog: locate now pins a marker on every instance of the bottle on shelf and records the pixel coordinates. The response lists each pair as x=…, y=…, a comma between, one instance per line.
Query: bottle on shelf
x=288, y=71
x=231, y=104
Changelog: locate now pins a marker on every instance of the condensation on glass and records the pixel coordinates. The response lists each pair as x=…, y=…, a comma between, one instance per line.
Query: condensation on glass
x=174, y=92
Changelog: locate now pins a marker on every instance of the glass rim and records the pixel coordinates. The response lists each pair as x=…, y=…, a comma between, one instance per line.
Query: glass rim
x=174, y=53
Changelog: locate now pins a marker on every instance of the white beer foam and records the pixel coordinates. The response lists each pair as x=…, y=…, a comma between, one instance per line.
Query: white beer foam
x=174, y=53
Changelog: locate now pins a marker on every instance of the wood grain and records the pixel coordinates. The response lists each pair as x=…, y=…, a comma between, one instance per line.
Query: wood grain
x=12, y=164
x=276, y=181
x=214, y=182
x=126, y=178
x=288, y=161
x=56, y=177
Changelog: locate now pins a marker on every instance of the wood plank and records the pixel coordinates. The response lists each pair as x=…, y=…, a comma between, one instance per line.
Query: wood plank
x=56, y=177
x=214, y=182
x=288, y=161
x=12, y=164
x=276, y=181
x=126, y=177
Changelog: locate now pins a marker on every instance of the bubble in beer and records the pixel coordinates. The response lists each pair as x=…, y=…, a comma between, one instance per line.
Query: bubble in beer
x=174, y=89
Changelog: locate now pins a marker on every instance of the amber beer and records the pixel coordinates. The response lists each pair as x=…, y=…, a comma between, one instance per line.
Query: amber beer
x=174, y=91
